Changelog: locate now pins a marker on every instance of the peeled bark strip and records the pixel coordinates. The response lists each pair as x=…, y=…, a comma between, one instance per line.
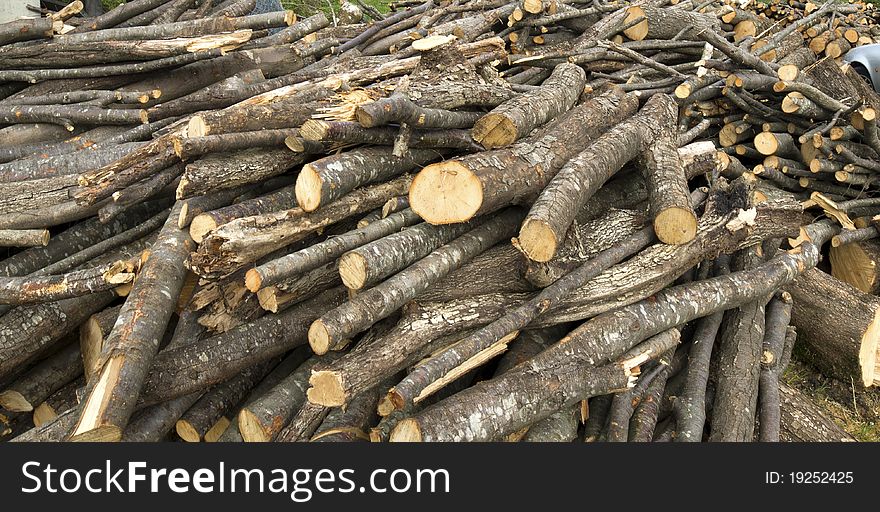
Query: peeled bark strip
x=199, y=421
x=40, y=382
x=460, y=189
x=27, y=331
x=24, y=237
x=263, y=418
x=421, y=324
x=839, y=326
x=92, y=335
x=333, y=328
x=244, y=240
x=556, y=207
x=312, y=257
x=518, y=116
x=132, y=345
x=367, y=265
x=777, y=317
x=323, y=181
x=230, y=170
x=668, y=193
x=481, y=413
x=218, y=358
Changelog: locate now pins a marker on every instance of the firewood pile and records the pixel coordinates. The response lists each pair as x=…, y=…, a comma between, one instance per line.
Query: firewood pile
x=484, y=220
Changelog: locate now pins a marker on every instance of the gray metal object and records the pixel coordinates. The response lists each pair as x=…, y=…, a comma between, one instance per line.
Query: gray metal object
x=14, y=9
x=866, y=61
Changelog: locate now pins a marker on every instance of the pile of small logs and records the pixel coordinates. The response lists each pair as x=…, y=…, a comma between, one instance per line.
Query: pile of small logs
x=475, y=220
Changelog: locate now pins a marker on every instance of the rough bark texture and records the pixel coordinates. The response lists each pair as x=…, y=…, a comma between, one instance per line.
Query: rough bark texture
x=244, y=240
x=334, y=327
x=40, y=382
x=459, y=189
x=229, y=170
x=843, y=339
x=323, y=181
x=518, y=116
x=135, y=339
x=801, y=421
x=556, y=207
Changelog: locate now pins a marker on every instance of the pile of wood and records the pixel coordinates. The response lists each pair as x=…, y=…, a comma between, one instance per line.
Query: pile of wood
x=475, y=220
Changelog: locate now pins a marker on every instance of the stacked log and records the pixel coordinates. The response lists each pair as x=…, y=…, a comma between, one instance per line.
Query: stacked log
x=267, y=228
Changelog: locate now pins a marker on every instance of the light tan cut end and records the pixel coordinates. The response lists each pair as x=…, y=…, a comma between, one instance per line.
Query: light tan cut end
x=197, y=127
x=537, y=240
x=851, y=264
x=407, y=431
x=766, y=143
x=683, y=91
x=250, y=428
x=869, y=352
x=308, y=188
x=313, y=129
x=44, y=413
x=353, y=270
x=268, y=298
x=431, y=42
x=446, y=193
x=638, y=31
x=186, y=431
x=319, y=338
x=326, y=389
x=214, y=433
x=200, y=226
x=14, y=401
x=253, y=280
x=494, y=131
x=675, y=226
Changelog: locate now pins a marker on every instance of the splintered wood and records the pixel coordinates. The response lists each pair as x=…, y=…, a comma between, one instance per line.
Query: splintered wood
x=505, y=220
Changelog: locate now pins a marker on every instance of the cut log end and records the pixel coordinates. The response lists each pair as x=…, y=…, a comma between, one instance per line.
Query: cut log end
x=43, y=414
x=869, y=352
x=851, y=264
x=187, y=432
x=537, y=240
x=250, y=427
x=640, y=30
x=407, y=431
x=353, y=270
x=494, y=131
x=253, y=280
x=326, y=389
x=675, y=226
x=313, y=129
x=308, y=189
x=446, y=193
x=268, y=299
x=683, y=91
x=319, y=337
x=14, y=401
x=197, y=127
x=214, y=433
x=200, y=226
x=766, y=143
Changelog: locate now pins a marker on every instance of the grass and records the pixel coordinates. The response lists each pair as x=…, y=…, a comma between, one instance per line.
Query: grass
x=854, y=408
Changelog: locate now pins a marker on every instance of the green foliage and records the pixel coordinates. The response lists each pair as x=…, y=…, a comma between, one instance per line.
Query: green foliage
x=110, y=4
x=309, y=7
